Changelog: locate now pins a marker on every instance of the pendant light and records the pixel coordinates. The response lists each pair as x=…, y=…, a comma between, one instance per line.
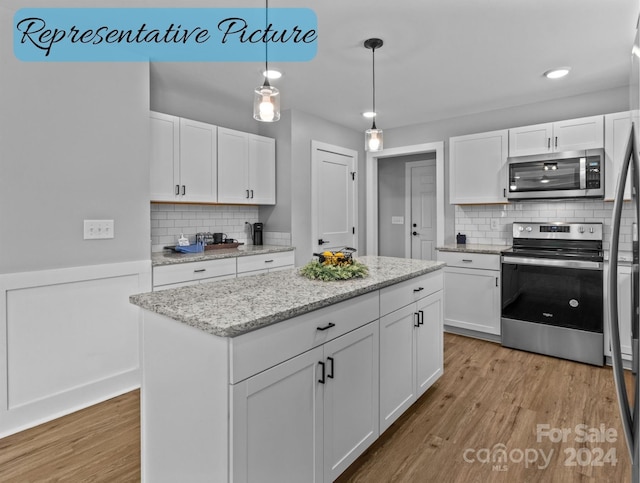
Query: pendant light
x=266, y=99
x=373, y=136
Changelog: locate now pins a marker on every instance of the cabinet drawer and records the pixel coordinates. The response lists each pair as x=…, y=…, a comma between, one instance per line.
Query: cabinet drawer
x=397, y=296
x=470, y=260
x=265, y=261
x=264, y=348
x=193, y=271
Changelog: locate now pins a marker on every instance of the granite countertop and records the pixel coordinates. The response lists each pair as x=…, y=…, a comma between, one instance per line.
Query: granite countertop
x=474, y=248
x=167, y=257
x=233, y=307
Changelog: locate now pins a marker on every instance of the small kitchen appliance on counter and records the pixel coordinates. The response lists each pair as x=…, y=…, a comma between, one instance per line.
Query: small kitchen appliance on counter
x=257, y=233
x=552, y=291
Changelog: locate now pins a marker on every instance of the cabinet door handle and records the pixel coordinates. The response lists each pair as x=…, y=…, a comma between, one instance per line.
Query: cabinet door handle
x=321, y=380
x=467, y=260
x=177, y=189
x=184, y=190
x=496, y=281
x=200, y=270
x=421, y=312
x=504, y=192
x=416, y=319
x=330, y=359
x=326, y=327
x=247, y=194
x=548, y=143
x=419, y=289
x=556, y=142
x=251, y=194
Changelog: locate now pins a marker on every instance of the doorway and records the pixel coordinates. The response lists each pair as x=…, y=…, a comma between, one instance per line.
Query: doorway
x=420, y=210
x=435, y=149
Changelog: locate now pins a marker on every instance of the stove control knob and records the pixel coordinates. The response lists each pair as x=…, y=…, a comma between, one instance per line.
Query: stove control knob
x=581, y=229
x=529, y=229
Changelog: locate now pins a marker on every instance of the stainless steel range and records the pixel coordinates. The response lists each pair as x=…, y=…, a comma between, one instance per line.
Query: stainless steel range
x=552, y=297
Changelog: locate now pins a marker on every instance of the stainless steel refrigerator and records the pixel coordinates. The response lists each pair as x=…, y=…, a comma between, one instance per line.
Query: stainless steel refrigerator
x=629, y=407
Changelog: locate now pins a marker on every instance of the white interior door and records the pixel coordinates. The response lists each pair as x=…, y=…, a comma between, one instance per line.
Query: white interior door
x=422, y=196
x=334, y=202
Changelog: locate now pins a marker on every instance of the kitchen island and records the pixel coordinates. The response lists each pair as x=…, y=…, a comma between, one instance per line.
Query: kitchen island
x=275, y=377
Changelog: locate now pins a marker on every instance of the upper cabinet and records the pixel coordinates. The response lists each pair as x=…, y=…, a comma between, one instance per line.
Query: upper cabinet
x=616, y=134
x=477, y=164
x=570, y=135
x=183, y=160
x=246, y=168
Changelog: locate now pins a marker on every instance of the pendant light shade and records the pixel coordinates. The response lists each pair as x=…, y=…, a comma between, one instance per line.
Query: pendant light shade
x=266, y=103
x=266, y=98
x=373, y=136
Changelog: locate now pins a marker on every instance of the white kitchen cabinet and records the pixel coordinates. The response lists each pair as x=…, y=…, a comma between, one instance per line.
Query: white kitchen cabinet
x=183, y=160
x=181, y=274
x=411, y=345
x=568, y=135
x=624, y=311
x=477, y=168
x=268, y=262
x=277, y=420
x=246, y=168
x=472, y=291
x=616, y=134
x=313, y=414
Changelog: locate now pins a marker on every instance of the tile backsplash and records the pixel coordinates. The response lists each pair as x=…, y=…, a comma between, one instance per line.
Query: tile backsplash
x=169, y=220
x=475, y=220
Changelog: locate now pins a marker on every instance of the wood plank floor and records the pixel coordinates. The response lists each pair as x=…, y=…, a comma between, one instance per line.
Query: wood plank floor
x=488, y=396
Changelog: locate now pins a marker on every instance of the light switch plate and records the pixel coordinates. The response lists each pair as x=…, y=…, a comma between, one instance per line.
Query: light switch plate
x=98, y=229
x=397, y=220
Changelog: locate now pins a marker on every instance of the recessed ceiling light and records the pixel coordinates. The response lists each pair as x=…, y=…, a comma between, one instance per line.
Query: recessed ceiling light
x=369, y=114
x=272, y=74
x=557, y=73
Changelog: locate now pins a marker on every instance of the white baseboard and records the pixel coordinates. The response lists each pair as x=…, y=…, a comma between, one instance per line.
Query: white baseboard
x=70, y=339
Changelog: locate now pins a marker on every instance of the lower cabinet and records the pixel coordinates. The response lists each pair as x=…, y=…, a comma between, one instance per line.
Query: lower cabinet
x=624, y=311
x=472, y=291
x=411, y=355
x=312, y=415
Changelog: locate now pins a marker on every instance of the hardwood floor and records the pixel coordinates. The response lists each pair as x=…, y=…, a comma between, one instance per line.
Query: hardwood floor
x=97, y=444
x=493, y=398
x=488, y=396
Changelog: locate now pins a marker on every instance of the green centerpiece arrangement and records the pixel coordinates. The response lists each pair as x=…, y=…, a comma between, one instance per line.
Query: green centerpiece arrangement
x=332, y=266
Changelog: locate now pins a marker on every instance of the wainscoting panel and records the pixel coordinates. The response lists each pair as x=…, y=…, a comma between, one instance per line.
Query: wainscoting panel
x=70, y=339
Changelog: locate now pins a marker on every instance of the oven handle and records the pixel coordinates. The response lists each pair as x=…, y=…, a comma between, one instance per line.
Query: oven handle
x=547, y=262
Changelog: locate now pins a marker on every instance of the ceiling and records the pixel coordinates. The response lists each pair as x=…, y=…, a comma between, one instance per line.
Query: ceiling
x=440, y=59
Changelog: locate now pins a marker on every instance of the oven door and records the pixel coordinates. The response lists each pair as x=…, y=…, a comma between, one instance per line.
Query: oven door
x=562, y=293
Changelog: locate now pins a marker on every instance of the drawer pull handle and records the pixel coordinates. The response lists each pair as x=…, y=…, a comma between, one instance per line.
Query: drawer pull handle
x=200, y=270
x=330, y=359
x=327, y=327
x=321, y=380
x=268, y=261
x=467, y=260
x=421, y=312
x=419, y=289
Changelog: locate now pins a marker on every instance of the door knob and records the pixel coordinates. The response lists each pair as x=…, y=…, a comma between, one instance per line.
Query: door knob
x=322, y=242
x=415, y=233
x=415, y=225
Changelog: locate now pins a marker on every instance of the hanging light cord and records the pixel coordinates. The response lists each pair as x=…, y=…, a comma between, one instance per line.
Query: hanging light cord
x=373, y=53
x=266, y=44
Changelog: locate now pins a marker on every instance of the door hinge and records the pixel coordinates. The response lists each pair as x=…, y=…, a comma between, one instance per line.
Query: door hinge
x=353, y=175
x=353, y=230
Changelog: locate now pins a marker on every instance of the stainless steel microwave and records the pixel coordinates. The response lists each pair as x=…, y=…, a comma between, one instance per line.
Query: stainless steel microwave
x=575, y=174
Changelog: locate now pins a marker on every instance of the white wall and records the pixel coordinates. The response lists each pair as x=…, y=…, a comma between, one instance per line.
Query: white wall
x=74, y=141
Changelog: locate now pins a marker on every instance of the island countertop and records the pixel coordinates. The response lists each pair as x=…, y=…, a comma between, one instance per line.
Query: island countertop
x=234, y=307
